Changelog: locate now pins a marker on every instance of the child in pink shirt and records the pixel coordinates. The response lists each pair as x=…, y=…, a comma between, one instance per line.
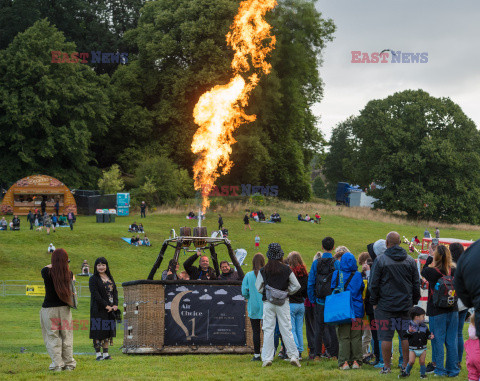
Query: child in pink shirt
x=472, y=349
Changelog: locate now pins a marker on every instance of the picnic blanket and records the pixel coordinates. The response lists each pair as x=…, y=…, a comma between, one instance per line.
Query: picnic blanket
x=129, y=241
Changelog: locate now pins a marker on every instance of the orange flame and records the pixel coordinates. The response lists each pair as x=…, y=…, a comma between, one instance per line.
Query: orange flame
x=219, y=111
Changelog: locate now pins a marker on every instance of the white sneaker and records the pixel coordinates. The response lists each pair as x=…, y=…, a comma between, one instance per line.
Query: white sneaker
x=295, y=362
x=266, y=363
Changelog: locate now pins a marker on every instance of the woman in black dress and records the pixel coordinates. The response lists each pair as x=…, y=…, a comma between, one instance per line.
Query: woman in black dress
x=103, y=307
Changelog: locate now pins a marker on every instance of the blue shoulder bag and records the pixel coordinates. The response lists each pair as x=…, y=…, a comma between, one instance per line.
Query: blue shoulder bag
x=339, y=305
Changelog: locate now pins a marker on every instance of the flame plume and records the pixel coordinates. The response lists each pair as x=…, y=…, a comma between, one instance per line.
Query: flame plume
x=219, y=111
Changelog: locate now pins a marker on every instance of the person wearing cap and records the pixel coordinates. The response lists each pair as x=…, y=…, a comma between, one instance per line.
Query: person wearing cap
x=276, y=277
x=394, y=289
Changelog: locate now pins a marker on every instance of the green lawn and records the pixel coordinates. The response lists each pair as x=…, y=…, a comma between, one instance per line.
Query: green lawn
x=23, y=254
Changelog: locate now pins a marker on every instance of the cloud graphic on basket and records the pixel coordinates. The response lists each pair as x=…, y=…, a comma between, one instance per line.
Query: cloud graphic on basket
x=205, y=297
x=168, y=305
x=238, y=297
x=186, y=300
x=181, y=288
x=171, y=293
x=220, y=303
x=195, y=292
x=221, y=292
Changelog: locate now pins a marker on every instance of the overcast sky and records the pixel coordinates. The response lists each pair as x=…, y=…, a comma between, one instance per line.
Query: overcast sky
x=448, y=30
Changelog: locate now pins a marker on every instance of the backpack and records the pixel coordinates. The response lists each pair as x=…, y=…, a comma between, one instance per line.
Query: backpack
x=444, y=295
x=325, y=269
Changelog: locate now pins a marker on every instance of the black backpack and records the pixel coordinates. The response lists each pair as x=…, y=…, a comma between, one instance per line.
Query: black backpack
x=444, y=295
x=323, y=281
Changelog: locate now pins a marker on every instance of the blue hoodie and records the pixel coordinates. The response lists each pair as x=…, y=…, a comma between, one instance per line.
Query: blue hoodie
x=348, y=264
x=312, y=277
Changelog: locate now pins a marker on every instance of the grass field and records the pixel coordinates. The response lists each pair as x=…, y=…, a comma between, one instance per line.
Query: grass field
x=23, y=254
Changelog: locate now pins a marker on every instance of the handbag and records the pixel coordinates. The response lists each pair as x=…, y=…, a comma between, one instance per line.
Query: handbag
x=339, y=305
x=275, y=296
x=74, y=304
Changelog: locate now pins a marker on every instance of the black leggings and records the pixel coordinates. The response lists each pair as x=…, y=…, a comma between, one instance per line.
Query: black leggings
x=256, y=334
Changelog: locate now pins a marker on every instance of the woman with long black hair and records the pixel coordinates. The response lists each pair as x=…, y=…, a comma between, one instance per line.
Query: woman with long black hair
x=55, y=315
x=275, y=282
x=103, y=307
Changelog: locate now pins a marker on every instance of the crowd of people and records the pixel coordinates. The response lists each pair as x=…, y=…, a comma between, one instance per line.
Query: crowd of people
x=316, y=219
x=283, y=296
x=350, y=316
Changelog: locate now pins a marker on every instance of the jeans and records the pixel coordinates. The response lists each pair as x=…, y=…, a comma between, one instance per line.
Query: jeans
x=297, y=312
x=142, y=214
x=461, y=321
x=445, y=330
x=324, y=334
x=256, y=335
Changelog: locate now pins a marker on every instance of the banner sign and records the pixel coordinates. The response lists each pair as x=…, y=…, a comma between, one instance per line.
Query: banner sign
x=33, y=290
x=204, y=315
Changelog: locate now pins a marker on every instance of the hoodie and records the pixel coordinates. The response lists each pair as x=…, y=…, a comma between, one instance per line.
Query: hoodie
x=348, y=265
x=394, y=281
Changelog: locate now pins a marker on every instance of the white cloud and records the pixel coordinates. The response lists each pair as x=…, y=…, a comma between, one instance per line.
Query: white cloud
x=238, y=297
x=186, y=300
x=195, y=292
x=205, y=297
x=168, y=305
x=181, y=288
x=171, y=293
x=220, y=302
x=221, y=292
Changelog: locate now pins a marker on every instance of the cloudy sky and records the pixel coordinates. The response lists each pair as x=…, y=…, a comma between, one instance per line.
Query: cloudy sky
x=448, y=30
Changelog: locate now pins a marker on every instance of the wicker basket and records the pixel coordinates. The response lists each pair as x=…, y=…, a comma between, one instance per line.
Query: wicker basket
x=144, y=316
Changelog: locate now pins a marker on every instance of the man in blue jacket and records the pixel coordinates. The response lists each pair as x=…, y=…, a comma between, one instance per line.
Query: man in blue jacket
x=324, y=334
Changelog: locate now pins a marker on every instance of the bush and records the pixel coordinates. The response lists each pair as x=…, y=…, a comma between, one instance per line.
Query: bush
x=319, y=188
x=111, y=181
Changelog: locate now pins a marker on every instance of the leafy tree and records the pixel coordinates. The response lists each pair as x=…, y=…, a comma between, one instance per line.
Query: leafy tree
x=161, y=181
x=111, y=181
x=49, y=112
x=424, y=152
x=319, y=188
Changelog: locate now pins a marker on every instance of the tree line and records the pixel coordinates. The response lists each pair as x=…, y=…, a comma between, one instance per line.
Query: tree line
x=73, y=120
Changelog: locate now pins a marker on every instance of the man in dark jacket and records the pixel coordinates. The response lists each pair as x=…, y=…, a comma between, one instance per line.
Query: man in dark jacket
x=229, y=273
x=394, y=289
x=202, y=272
x=467, y=281
x=31, y=219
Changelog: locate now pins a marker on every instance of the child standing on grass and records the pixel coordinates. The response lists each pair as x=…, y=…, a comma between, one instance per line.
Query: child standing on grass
x=418, y=335
x=472, y=348
x=257, y=241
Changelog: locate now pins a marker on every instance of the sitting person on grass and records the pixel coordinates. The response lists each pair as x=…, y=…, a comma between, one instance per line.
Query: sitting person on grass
x=134, y=241
x=146, y=241
x=3, y=224
x=133, y=228
x=16, y=223
x=50, y=248
x=140, y=228
x=85, y=268
x=191, y=215
x=275, y=217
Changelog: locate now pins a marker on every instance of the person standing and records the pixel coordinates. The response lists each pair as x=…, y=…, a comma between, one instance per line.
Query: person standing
x=220, y=222
x=103, y=308
x=55, y=315
x=257, y=242
x=278, y=280
x=43, y=206
x=71, y=219
x=47, y=222
x=320, y=274
x=443, y=320
x=54, y=221
x=143, y=208
x=437, y=233
x=350, y=339
x=30, y=219
x=57, y=208
x=394, y=289
x=457, y=249
x=297, y=300
x=246, y=222
x=254, y=302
